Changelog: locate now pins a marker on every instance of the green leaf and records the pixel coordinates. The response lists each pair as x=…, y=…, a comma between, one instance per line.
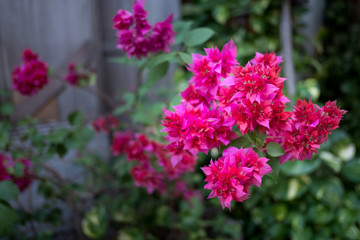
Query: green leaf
x=351, y=170
x=181, y=28
x=94, y=224
x=19, y=169
x=60, y=149
x=45, y=189
x=330, y=160
x=8, y=190
x=274, y=149
x=275, y=166
x=279, y=211
x=129, y=98
x=346, y=217
x=86, y=161
x=297, y=167
x=186, y=57
x=122, y=109
x=7, y=218
x=57, y=136
x=129, y=61
x=198, y=36
x=259, y=7
x=92, y=79
x=6, y=109
x=4, y=93
x=175, y=100
x=156, y=74
x=328, y=190
x=240, y=142
x=75, y=118
x=347, y=152
x=221, y=14
x=320, y=214
x=160, y=58
x=292, y=189
x=257, y=138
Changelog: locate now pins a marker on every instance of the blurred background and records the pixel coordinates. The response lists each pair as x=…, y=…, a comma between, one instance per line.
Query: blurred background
x=319, y=41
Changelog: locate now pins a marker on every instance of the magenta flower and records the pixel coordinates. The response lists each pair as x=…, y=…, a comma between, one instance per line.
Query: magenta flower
x=253, y=96
x=22, y=182
x=31, y=76
x=186, y=164
x=75, y=77
x=137, y=37
x=149, y=155
x=196, y=129
x=105, y=124
x=120, y=142
x=208, y=70
x=142, y=25
x=231, y=176
x=162, y=35
x=123, y=20
x=268, y=59
x=145, y=176
x=310, y=126
x=190, y=95
x=5, y=162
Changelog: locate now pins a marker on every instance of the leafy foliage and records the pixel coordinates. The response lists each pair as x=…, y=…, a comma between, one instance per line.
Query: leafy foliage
x=313, y=199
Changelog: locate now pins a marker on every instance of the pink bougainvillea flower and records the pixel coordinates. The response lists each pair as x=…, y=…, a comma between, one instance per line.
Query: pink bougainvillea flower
x=24, y=181
x=137, y=37
x=268, y=59
x=190, y=95
x=205, y=78
x=5, y=162
x=100, y=124
x=145, y=176
x=31, y=76
x=120, y=142
x=123, y=20
x=76, y=77
x=231, y=176
x=147, y=154
x=186, y=164
x=105, y=124
x=196, y=129
x=162, y=35
x=208, y=70
x=112, y=121
x=310, y=126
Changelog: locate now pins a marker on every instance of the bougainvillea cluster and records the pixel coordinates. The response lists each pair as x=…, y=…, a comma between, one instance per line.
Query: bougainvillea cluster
x=310, y=127
x=105, y=124
x=7, y=165
x=197, y=124
x=153, y=169
x=76, y=77
x=231, y=176
x=223, y=94
x=31, y=76
x=136, y=36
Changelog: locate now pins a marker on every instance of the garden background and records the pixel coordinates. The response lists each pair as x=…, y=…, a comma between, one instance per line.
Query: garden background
x=91, y=194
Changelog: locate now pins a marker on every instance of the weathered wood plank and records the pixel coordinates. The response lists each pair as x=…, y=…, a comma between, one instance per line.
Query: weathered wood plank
x=54, y=29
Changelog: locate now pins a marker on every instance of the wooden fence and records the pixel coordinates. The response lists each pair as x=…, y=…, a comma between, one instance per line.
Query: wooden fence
x=64, y=31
